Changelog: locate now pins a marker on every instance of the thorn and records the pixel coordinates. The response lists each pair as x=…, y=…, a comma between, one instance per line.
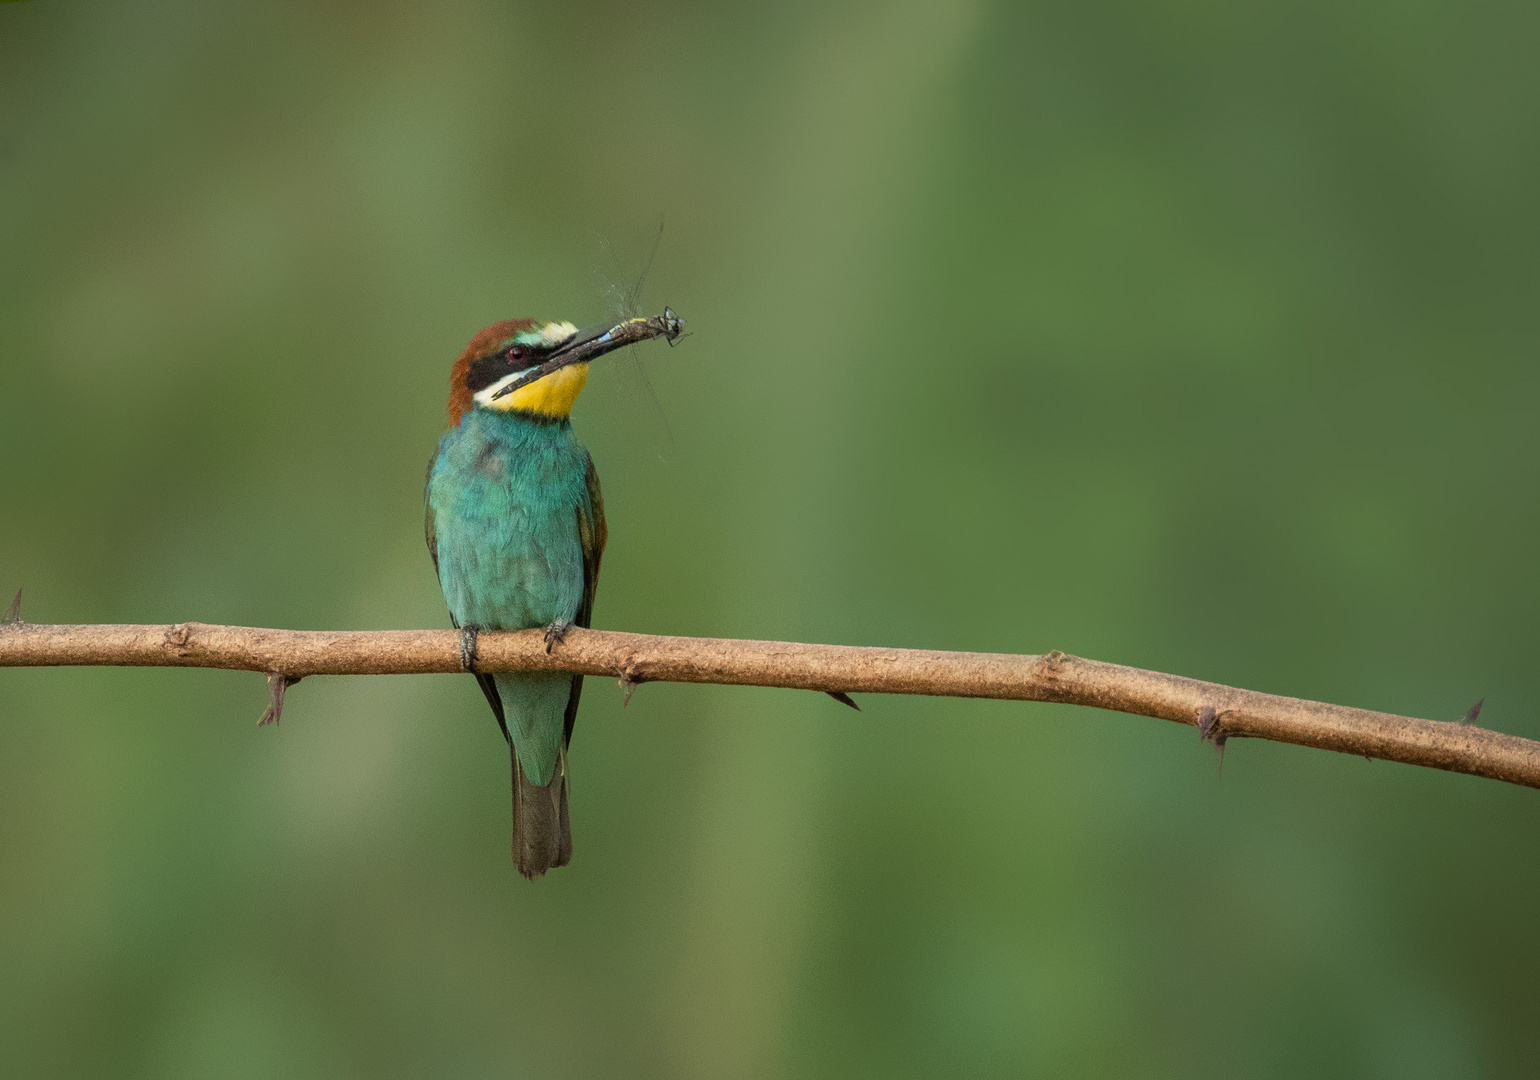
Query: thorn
x=843, y=698
x=13, y=615
x=1206, y=718
x=277, y=684
x=1209, y=730
x=1469, y=717
x=628, y=684
x=178, y=638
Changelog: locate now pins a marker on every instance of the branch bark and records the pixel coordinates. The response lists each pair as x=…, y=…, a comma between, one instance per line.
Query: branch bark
x=1224, y=712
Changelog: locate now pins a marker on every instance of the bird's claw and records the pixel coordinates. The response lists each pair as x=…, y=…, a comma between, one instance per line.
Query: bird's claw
x=556, y=633
x=468, y=635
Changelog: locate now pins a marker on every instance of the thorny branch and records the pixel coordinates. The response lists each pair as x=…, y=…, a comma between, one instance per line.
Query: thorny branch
x=1220, y=712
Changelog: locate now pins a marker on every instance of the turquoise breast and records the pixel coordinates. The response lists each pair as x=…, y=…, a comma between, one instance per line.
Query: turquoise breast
x=505, y=491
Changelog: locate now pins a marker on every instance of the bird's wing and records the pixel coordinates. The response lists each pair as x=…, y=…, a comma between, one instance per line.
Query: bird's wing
x=593, y=534
x=430, y=533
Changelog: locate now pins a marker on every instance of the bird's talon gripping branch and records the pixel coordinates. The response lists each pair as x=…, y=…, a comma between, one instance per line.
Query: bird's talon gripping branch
x=13, y=614
x=277, y=684
x=469, y=634
x=556, y=633
x=843, y=698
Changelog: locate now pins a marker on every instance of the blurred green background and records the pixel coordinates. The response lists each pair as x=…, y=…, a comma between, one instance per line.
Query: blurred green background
x=1199, y=337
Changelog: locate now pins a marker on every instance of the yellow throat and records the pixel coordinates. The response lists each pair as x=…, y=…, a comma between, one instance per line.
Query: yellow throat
x=551, y=396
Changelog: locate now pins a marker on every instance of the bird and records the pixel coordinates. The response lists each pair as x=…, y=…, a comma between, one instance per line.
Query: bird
x=514, y=520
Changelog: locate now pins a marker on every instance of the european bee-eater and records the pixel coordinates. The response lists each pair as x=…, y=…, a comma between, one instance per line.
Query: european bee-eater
x=515, y=525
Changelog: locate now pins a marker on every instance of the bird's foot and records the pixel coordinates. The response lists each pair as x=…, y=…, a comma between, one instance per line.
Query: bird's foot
x=468, y=634
x=556, y=633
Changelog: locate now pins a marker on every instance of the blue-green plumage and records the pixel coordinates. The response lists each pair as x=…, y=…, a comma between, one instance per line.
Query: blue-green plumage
x=515, y=525
x=505, y=492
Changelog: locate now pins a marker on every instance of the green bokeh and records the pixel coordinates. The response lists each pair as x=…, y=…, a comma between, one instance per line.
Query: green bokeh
x=1200, y=337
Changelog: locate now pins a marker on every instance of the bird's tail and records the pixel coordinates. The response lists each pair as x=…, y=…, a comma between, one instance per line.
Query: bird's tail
x=542, y=831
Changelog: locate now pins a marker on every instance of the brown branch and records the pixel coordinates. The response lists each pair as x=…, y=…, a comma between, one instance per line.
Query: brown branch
x=1224, y=711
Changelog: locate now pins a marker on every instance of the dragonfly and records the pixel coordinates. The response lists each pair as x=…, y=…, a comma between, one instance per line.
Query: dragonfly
x=625, y=302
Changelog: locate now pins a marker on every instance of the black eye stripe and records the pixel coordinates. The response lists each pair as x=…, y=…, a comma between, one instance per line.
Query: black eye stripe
x=489, y=369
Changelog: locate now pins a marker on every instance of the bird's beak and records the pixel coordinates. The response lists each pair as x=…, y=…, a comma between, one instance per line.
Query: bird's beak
x=595, y=341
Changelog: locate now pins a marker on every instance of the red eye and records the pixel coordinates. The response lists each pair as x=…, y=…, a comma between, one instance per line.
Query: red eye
x=516, y=353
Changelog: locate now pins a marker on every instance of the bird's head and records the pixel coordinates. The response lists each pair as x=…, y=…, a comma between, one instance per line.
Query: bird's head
x=539, y=368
